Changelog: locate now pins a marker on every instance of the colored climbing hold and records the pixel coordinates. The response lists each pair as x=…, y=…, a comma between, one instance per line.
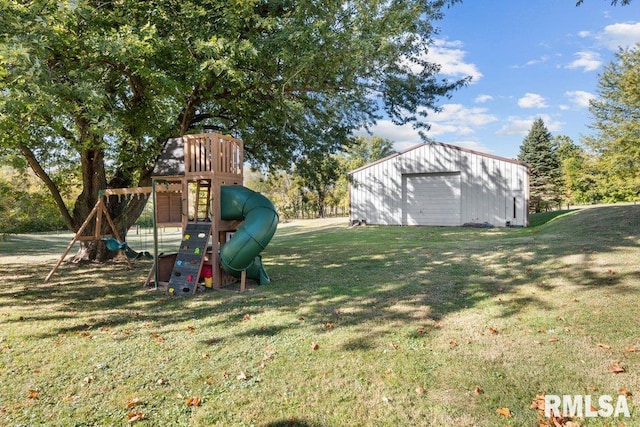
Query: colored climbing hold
x=190, y=278
x=187, y=236
x=171, y=291
x=197, y=251
x=179, y=262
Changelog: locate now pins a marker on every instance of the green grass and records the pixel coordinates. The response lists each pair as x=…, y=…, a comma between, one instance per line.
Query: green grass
x=536, y=220
x=367, y=326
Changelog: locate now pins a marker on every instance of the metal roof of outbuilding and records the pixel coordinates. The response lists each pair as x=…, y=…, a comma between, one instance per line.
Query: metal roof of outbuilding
x=455, y=147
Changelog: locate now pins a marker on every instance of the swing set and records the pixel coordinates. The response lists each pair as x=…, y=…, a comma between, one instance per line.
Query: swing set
x=99, y=214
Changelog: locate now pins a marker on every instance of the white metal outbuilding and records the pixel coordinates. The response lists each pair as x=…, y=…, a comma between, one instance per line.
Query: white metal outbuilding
x=441, y=184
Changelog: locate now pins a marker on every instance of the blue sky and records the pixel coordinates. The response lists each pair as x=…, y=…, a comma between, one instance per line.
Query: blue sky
x=528, y=59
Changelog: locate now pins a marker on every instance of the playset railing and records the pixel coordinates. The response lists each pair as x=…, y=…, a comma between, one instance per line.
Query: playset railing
x=207, y=153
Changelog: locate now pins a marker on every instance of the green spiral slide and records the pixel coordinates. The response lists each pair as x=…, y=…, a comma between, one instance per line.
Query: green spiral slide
x=260, y=220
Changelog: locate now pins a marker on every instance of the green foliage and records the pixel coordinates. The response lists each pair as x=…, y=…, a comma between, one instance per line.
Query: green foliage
x=281, y=188
x=318, y=176
x=579, y=173
x=318, y=186
x=25, y=206
x=102, y=84
x=616, y=114
x=366, y=150
x=545, y=174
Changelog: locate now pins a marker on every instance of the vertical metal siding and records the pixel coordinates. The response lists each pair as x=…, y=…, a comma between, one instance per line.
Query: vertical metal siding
x=487, y=185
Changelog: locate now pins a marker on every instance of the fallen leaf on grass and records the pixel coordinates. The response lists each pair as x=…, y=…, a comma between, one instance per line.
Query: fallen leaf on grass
x=505, y=412
x=553, y=339
x=624, y=391
x=419, y=391
x=328, y=325
x=191, y=328
x=132, y=417
x=605, y=346
x=314, y=346
x=452, y=343
x=242, y=376
x=134, y=402
x=538, y=403
x=478, y=391
x=492, y=330
x=157, y=338
x=33, y=393
x=558, y=422
x=616, y=368
x=631, y=349
x=246, y=317
x=193, y=401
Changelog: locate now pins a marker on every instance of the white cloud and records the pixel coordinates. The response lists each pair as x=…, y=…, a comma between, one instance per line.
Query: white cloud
x=625, y=34
x=450, y=56
x=579, y=98
x=454, y=119
x=587, y=60
x=532, y=100
x=521, y=126
x=458, y=119
x=403, y=136
x=541, y=60
x=481, y=99
x=584, y=34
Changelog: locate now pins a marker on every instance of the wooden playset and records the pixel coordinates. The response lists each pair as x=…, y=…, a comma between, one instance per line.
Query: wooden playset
x=186, y=191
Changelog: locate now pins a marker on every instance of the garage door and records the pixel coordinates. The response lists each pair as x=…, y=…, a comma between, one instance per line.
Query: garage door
x=431, y=199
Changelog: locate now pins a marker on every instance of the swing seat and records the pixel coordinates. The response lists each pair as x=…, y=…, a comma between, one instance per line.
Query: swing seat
x=115, y=245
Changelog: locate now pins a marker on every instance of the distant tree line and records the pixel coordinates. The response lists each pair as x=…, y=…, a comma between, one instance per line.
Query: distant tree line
x=317, y=186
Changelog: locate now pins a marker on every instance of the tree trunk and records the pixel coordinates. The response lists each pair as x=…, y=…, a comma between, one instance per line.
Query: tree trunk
x=123, y=210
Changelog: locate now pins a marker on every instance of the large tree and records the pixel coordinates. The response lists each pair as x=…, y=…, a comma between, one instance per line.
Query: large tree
x=616, y=113
x=579, y=174
x=545, y=173
x=103, y=83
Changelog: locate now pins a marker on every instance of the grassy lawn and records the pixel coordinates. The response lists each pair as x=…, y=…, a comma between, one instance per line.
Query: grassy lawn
x=373, y=326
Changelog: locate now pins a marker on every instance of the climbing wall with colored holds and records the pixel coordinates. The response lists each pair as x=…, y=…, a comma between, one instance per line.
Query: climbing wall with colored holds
x=186, y=270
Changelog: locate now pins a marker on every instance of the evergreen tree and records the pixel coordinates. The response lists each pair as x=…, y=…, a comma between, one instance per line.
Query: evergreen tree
x=545, y=174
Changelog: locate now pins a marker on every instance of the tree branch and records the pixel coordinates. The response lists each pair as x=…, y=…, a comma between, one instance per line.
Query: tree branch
x=613, y=2
x=40, y=172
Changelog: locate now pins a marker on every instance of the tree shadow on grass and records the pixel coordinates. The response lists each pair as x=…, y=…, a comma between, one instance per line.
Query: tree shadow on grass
x=291, y=422
x=372, y=279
